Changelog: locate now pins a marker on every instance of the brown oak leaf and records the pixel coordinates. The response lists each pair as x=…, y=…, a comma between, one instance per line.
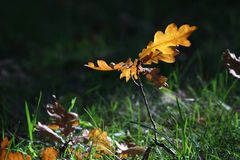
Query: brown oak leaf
x=232, y=63
x=61, y=119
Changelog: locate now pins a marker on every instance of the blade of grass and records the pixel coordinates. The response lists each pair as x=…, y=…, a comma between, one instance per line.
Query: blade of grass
x=29, y=122
x=90, y=115
x=8, y=149
x=229, y=89
x=36, y=112
x=73, y=101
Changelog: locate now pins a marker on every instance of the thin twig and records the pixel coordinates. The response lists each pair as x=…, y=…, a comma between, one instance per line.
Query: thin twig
x=147, y=152
x=134, y=81
x=148, y=108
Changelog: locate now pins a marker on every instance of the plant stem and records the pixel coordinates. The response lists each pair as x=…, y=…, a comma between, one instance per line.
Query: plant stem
x=140, y=85
x=148, y=109
x=146, y=154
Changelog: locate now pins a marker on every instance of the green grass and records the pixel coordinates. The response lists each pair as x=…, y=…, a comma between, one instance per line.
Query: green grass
x=205, y=126
x=50, y=52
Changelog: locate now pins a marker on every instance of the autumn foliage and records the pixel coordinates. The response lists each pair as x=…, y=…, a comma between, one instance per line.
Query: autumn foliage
x=162, y=48
x=49, y=153
x=7, y=154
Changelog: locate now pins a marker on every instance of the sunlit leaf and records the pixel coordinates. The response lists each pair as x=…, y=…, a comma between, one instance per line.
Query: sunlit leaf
x=128, y=69
x=103, y=66
x=163, y=47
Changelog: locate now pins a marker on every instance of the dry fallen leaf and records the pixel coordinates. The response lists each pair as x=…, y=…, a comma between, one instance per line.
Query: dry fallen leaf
x=45, y=131
x=163, y=47
x=13, y=156
x=6, y=154
x=78, y=155
x=129, y=150
x=232, y=63
x=5, y=143
x=132, y=152
x=49, y=153
x=65, y=121
x=101, y=142
x=61, y=120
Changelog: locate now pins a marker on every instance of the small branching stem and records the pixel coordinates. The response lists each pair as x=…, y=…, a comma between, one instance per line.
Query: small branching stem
x=148, y=109
x=147, y=152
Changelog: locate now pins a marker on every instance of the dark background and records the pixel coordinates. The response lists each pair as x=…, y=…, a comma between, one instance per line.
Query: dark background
x=44, y=44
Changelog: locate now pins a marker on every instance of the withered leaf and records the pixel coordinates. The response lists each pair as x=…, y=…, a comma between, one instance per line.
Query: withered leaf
x=129, y=149
x=101, y=142
x=153, y=76
x=63, y=120
x=133, y=152
x=5, y=143
x=47, y=132
x=5, y=155
x=53, y=126
x=9, y=155
x=232, y=63
x=49, y=153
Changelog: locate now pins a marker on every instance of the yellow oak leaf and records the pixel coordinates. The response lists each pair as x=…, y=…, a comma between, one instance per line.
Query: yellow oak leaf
x=163, y=48
x=128, y=69
x=103, y=66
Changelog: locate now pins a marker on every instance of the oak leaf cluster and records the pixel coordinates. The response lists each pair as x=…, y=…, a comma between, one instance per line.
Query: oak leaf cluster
x=162, y=48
